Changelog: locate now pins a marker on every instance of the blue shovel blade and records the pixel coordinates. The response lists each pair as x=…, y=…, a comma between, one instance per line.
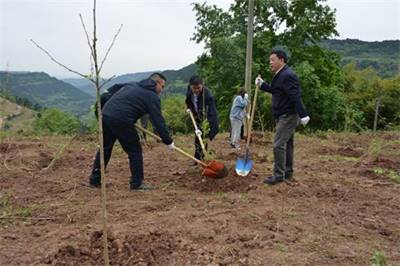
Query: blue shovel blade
x=243, y=166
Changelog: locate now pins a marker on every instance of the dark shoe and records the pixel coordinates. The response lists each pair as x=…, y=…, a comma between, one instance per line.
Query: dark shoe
x=288, y=176
x=95, y=179
x=142, y=187
x=233, y=146
x=272, y=180
x=94, y=183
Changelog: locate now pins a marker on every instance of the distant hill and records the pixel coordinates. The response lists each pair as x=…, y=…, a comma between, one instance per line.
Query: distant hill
x=82, y=84
x=176, y=80
x=383, y=56
x=46, y=91
x=15, y=118
x=87, y=87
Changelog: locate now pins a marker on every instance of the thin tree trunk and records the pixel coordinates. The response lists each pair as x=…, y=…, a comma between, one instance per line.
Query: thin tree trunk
x=95, y=79
x=102, y=166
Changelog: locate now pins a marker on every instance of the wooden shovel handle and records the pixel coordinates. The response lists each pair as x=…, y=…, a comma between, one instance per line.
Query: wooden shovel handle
x=176, y=148
x=196, y=128
x=253, y=108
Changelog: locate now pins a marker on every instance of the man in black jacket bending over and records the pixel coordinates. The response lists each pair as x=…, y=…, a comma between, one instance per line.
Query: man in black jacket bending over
x=288, y=110
x=120, y=113
x=201, y=103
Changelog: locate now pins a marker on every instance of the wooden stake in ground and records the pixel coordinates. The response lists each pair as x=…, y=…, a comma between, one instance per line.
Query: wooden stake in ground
x=249, y=61
x=94, y=77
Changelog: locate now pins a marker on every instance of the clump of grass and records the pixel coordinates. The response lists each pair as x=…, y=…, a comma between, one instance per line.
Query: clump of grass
x=394, y=176
x=391, y=174
x=8, y=210
x=378, y=171
x=222, y=195
x=375, y=148
x=378, y=258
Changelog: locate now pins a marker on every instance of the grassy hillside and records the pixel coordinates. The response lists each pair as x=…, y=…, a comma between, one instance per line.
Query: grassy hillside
x=383, y=56
x=40, y=88
x=15, y=118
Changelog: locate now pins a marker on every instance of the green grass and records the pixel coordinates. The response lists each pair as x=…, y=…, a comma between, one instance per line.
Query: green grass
x=10, y=210
x=337, y=158
x=378, y=259
x=391, y=174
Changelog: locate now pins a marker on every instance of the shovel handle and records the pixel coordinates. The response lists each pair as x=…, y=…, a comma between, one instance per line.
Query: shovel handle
x=175, y=148
x=253, y=109
x=196, y=128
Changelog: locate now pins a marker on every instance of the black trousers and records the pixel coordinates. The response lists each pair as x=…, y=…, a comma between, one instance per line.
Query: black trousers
x=198, y=151
x=128, y=137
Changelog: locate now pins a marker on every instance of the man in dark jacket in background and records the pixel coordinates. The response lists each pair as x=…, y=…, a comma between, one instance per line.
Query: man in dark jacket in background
x=201, y=103
x=120, y=113
x=288, y=110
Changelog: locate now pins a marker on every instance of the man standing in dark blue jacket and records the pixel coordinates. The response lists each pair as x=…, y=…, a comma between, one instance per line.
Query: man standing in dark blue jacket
x=120, y=113
x=288, y=110
x=201, y=103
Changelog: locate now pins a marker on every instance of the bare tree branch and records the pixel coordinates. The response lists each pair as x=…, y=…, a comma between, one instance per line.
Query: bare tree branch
x=89, y=44
x=58, y=63
x=108, y=80
x=109, y=48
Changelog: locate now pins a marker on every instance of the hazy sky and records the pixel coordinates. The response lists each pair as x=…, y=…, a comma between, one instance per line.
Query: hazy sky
x=155, y=36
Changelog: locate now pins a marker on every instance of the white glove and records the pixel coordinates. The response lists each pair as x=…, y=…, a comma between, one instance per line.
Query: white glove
x=198, y=132
x=246, y=96
x=305, y=120
x=259, y=81
x=188, y=110
x=171, y=146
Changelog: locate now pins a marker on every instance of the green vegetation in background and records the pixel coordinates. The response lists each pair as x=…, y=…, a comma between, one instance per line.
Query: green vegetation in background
x=54, y=121
x=383, y=57
x=335, y=98
x=174, y=112
x=223, y=63
x=362, y=88
x=42, y=90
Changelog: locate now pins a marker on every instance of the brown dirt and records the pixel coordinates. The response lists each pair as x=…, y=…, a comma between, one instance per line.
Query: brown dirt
x=335, y=212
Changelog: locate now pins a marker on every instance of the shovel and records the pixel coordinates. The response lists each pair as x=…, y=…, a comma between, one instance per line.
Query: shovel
x=197, y=130
x=214, y=169
x=244, y=164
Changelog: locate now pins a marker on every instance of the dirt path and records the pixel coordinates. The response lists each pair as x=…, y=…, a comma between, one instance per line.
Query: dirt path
x=341, y=207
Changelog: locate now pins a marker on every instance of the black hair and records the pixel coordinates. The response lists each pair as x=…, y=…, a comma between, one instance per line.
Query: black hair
x=281, y=54
x=241, y=92
x=195, y=80
x=157, y=75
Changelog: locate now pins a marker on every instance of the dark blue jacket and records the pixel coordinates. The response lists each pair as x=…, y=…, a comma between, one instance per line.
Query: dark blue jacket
x=206, y=107
x=135, y=99
x=286, y=95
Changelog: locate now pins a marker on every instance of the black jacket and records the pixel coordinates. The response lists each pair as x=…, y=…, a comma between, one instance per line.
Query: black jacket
x=135, y=99
x=286, y=95
x=206, y=107
x=105, y=96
